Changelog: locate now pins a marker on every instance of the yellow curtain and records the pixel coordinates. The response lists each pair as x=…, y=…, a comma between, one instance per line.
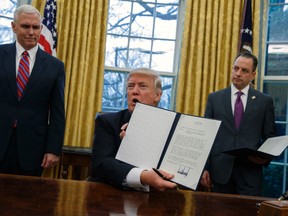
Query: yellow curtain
x=81, y=29
x=209, y=46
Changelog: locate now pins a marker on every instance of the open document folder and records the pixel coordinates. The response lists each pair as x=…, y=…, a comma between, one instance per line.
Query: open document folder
x=170, y=141
x=272, y=147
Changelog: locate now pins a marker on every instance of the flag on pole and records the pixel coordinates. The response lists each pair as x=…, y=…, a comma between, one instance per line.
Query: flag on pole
x=48, y=37
x=245, y=38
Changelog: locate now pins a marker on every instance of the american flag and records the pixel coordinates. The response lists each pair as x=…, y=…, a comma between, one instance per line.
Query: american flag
x=245, y=39
x=48, y=37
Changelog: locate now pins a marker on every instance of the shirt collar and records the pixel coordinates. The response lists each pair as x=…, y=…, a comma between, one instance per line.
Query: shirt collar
x=234, y=90
x=32, y=52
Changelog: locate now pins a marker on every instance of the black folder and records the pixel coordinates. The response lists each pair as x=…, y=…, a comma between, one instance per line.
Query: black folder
x=272, y=147
x=245, y=152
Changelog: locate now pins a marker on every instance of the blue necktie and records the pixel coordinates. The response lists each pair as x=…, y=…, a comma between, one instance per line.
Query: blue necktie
x=239, y=110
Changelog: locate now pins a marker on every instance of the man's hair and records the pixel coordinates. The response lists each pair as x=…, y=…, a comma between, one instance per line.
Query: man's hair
x=149, y=72
x=249, y=56
x=25, y=9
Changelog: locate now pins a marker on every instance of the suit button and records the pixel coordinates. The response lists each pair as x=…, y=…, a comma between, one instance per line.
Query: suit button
x=14, y=125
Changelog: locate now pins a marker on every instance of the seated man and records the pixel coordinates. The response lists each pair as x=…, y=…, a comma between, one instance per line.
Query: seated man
x=143, y=85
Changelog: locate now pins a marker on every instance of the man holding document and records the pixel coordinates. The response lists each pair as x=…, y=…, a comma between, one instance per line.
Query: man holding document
x=143, y=85
x=248, y=120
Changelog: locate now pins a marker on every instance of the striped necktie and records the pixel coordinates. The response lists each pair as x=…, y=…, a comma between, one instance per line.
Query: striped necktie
x=23, y=74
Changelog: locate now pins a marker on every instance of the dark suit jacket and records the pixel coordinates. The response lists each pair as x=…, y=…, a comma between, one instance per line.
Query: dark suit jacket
x=105, y=168
x=257, y=125
x=40, y=113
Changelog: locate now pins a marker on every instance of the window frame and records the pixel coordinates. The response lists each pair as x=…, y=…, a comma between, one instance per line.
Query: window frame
x=263, y=78
x=176, y=59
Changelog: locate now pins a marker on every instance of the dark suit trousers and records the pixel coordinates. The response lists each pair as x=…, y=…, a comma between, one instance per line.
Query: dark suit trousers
x=10, y=162
x=237, y=183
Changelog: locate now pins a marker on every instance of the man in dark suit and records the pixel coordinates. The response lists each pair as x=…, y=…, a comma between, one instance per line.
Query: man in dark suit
x=239, y=175
x=32, y=122
x=143, y=85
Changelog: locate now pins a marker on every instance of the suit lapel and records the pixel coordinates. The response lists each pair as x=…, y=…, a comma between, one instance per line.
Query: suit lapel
x=10, y=68
x=126, y=117
x=250, y=103
x=228, y=108
x=37, y=71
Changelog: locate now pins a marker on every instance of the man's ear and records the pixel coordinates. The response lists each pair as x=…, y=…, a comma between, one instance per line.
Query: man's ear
x=158, y=96
x=13, y=26
x=254, y=75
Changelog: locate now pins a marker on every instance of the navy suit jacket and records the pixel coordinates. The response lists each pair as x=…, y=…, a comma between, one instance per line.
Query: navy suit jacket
x=257, y=125
x=105, y=168
x=40, y=113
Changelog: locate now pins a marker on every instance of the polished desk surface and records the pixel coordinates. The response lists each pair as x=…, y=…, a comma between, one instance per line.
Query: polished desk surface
x=20, y=195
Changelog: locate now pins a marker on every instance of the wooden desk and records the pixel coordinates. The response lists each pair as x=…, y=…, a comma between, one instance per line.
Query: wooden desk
x=20, y=195
x=77, y=158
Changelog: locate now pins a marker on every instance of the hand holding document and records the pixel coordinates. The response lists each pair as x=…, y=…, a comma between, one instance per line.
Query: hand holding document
x=272, y=147
x=173, y=142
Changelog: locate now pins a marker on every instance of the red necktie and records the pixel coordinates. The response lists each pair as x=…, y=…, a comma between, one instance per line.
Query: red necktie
x=23, y=74
x=239, y=109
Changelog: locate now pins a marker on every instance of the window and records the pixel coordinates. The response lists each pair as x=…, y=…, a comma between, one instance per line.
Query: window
x=6, y=16
x=275, y=83
x=141, y=34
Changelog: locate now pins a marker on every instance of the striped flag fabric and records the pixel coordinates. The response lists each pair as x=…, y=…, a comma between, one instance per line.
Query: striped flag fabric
x=48, y=37
x=245, y=39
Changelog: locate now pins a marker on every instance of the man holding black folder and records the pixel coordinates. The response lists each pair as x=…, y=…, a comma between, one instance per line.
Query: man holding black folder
x=143, y=85
x=248, y=120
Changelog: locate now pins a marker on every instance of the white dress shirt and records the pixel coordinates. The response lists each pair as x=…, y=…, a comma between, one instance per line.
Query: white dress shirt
x=32, y=56
x=133, y=180
x=244, y=97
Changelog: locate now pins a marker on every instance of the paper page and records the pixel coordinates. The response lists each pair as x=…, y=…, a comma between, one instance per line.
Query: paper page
x=275, y=145
x=189, y=149
x=145, y=136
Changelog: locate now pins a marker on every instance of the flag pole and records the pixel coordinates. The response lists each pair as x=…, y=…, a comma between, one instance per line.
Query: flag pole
x=245, y=42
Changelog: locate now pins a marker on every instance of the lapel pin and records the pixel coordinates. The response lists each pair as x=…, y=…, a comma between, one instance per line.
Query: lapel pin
x=253, y=97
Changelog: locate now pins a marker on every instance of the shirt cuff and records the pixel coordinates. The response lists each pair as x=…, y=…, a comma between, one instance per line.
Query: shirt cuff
x=133, y=180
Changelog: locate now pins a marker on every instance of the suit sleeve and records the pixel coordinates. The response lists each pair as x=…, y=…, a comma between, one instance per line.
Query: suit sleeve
x=209, y=108
x=208, y=114
x=269, y=128
x=106, y=142
x=57, y=113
